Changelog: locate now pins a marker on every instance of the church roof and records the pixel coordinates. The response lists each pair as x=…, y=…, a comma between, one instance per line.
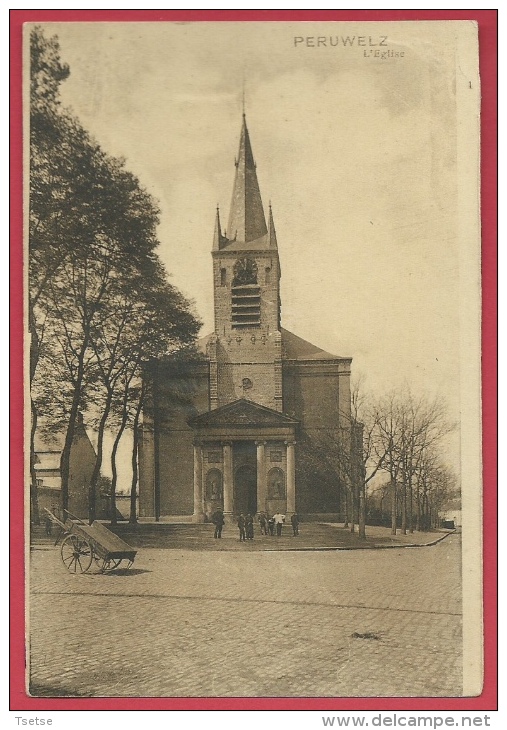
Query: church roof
x=295, y=348
x=202, y=342
x=242, y=412
x=47, y=461
x=258, y=244
x=46, y=442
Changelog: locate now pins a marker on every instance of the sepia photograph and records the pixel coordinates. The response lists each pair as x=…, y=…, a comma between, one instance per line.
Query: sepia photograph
x=253, y=460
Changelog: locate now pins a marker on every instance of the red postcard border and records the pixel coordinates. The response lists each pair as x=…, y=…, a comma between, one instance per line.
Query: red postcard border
x=487, y=21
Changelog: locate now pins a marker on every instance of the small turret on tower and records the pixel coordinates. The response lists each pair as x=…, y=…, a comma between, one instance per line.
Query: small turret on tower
x=271, y=229
x=218, y=239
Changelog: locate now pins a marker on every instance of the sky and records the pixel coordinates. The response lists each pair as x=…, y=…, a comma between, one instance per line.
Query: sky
x=356, y=152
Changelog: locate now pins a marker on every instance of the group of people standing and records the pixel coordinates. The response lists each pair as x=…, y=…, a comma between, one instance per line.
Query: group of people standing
x=246, y=528
x=267, y=525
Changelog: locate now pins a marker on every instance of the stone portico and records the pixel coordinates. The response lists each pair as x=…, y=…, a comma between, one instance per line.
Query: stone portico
x=244, y=461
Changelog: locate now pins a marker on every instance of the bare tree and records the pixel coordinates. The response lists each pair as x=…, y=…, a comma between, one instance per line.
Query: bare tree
x=368, y=451
x=411, y=430
x=357, y=454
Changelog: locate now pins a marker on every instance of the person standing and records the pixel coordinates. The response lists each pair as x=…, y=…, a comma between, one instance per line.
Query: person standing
x=241, y=526
x=48, y=526
x=219, y=521
x=249, y=527
x=263, y=523
x=294, y=520
x=271, y=526
x=279, y=520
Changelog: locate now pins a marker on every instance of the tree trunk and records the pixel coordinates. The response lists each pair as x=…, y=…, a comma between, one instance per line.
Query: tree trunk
x=353, y=511
x=34, y=497
x=92, y=490
x=135, y=451
x=362, y=511
x=404, y=508
x=34, y=358
x=346, y=523
x=156, y=441
x=418, y=514
x=114, y=470
x=410, y=507
x=135, y=471
x=426, y=513
x=393, y=506
x=71, y=428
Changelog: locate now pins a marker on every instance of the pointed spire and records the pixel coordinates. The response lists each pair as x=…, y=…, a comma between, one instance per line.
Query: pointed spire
x=217, y=236
x=246, y=218
x=271, y=229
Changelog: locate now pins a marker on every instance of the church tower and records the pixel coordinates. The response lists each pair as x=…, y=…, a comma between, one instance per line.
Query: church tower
x=245, y=350
x=241, y=428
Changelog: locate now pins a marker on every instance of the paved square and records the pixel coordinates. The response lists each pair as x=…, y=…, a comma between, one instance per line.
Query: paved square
x=259, y=624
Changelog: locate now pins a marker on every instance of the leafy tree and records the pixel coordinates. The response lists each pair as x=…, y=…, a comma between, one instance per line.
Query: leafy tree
x=96, y=283
x=46, y=74
x=153, y=320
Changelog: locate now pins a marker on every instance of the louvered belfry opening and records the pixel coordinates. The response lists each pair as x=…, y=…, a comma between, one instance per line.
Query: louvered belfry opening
x=246, y=306
x=245, y=295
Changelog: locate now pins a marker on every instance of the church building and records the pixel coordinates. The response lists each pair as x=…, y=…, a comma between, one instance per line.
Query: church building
x=255, y=422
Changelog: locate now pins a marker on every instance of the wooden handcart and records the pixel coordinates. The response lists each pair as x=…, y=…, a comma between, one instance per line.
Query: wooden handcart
x=84, y=546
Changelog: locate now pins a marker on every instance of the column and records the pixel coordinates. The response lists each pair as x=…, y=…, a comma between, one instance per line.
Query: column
x=198, y=515
x=228, y=479
x=261, y=476
x=291, y=477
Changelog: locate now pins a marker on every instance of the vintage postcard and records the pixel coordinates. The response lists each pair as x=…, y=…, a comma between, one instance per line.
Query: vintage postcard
x=253, y=360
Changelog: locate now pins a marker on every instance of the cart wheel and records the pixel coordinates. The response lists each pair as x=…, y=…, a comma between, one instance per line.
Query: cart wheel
x=77, y=554
x=105, y=565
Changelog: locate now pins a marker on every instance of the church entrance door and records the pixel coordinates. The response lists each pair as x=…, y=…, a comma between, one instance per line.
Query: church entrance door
x=245, y=488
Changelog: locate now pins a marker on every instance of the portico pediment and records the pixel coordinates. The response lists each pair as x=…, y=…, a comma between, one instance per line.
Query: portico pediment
x=242, y=412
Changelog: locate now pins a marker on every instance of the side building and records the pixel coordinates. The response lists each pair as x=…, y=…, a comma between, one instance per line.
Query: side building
x=48, y=452
x=260, y=420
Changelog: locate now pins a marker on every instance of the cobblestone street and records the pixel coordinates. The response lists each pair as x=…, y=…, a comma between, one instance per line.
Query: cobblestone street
x=259, y=624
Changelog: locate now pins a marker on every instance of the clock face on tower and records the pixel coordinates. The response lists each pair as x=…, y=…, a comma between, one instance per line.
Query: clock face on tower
x=245, y=272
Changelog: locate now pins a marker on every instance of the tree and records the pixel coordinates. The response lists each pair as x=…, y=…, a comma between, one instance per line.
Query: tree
x=46, y=74
x=368, y=452
x=93, y=269
x=66, y=219
x=354, y=454
x=159, y=322
x=411, y=430
x=389, y=445
x=437, y=487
